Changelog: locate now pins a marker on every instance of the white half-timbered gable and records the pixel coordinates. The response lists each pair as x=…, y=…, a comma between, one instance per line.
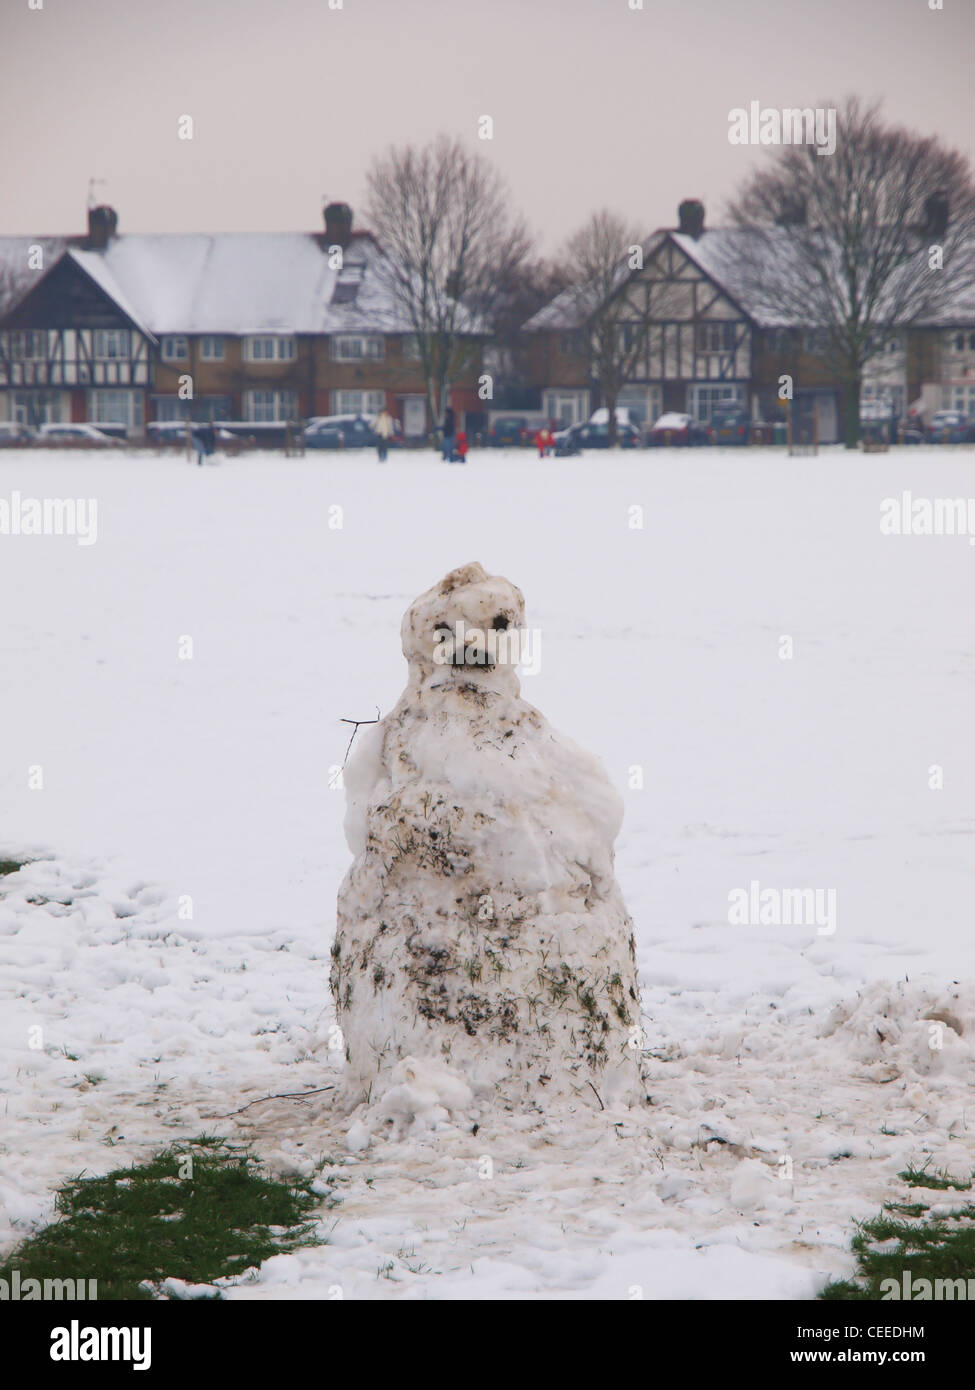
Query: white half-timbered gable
x=697, y=332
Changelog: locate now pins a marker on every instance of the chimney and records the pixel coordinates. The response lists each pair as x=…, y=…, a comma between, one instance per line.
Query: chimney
x=338, y=224
x=690, y=217
x=936, y=215
x=102, y=226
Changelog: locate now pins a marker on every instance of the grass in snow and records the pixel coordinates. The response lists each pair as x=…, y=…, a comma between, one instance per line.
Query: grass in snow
x=196, y=1211
x=905, y=1236
x=11, y=866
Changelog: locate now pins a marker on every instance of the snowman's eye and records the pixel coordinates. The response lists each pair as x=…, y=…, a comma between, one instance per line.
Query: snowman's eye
x=442, y=627
x=500, y=623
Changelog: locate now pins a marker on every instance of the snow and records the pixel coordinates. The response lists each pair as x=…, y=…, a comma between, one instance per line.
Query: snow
x=235, y=283
x=480, y=928
x=792, y=1074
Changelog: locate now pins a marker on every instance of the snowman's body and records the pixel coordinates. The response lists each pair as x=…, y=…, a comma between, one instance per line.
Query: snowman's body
x=480, y=926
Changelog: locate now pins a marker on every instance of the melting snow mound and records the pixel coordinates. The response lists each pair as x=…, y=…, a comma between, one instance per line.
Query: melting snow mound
x=483, y=952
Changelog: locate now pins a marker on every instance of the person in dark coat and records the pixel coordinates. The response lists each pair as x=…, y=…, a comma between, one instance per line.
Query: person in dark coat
x=449, y=431
x=204, y=441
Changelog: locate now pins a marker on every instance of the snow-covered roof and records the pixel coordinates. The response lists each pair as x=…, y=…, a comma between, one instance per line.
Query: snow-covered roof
x=729, y=257
x=714, y=252
x=721, y=254
x=573, y=307
x=234, y=283
x=94, y=265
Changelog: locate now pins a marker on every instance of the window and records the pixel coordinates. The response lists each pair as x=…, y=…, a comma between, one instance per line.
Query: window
x=211, y=349
x=174, y=350
x=268, y=349
x=28, y=345
x=349, y=347
x=358, y=402
x=411, y=348
x=566, y=407
x=961, y=398
x=270, y=407
x=645, y=403
x=778, y=340
x=572, y=344
x=815, y=341
x=40, y=407
x=116, y=408
x=701, y=400
x=882, y=399
x=714, y=337
x=111, y=344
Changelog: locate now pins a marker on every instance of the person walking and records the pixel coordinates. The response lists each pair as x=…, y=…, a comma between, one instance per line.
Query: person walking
x=204, y=441
x=385, y=427
x=449, y=429
x=544, y=440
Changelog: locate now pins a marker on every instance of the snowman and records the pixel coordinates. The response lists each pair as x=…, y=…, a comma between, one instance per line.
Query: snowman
x=483, y=952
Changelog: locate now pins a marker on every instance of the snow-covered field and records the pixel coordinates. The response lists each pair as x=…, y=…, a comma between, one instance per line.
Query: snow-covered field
x=172, y=940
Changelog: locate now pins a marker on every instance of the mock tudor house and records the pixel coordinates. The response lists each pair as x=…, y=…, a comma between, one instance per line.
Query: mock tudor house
x=263, y=328
x=711, y=338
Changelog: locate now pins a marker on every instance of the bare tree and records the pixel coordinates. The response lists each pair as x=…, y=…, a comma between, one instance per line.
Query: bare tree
x=441, y=217
x=609, y=301
x=860, y=244
x=517, y=296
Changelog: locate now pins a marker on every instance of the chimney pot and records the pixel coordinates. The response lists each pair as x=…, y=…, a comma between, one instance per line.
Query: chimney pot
x=102, y=226
x=690, y=217
x=338, y=224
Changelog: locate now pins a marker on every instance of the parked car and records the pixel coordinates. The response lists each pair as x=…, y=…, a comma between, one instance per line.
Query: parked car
x=674, y=427
x=910, y=430
x=15, y=436
x=174, y=432
x=730, y=424
x=509, y=431
x=949, y=427
x=624, y=416
x=78, y=436
x=590, y=436
x=346, y=432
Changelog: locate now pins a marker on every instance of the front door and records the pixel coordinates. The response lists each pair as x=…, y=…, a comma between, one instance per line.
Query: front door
x=414, y=416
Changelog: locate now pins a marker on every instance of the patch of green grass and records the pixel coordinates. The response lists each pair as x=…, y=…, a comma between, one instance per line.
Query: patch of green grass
x=929, y=1247
x=920, y=1177
x=196, y=1211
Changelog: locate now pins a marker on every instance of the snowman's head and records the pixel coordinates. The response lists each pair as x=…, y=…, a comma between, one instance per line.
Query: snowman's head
x=463, y=634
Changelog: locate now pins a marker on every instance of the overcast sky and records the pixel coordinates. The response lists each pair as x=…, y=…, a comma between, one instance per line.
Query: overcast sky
x=594, y=104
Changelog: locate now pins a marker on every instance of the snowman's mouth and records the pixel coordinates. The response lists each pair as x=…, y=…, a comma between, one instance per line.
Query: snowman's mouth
x=463, y=663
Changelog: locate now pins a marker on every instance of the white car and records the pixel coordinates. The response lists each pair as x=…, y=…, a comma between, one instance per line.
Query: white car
x=85, y=436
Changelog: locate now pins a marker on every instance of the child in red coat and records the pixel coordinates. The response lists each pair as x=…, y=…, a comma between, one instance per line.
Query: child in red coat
x=460, y=446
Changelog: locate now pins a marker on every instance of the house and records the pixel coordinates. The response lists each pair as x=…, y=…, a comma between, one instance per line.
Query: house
x=712, y=335
x=262, y=328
